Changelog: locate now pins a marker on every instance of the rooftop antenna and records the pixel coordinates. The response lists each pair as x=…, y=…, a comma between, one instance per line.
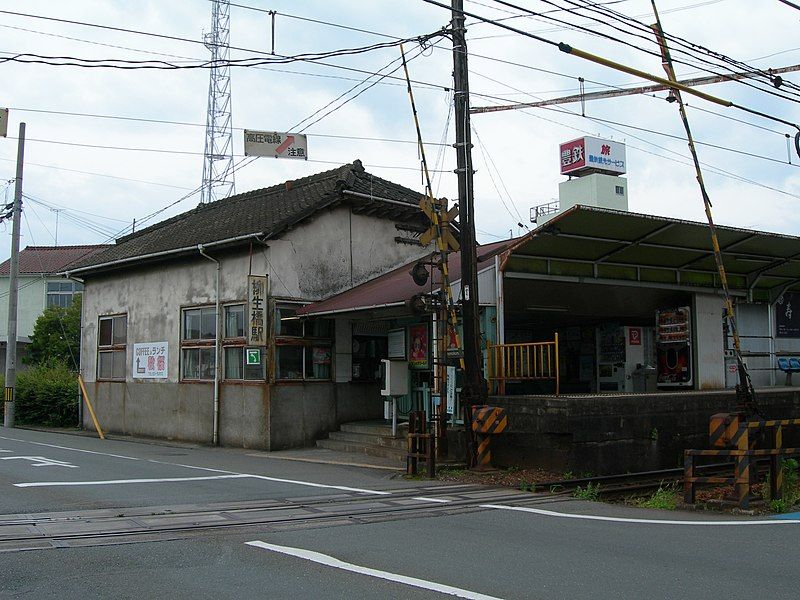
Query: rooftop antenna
x=218, y=160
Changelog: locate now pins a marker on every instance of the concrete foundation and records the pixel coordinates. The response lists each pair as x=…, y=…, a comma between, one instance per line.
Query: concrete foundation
x=267, y=417
x=620, y=433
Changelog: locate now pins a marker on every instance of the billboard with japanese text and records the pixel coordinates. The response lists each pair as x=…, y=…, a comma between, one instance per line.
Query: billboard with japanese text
x=592, y=154
x=150, y=360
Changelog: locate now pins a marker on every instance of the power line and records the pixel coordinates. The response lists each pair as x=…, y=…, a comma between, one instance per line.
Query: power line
x=683, y=45
x=693, y=49
x=192, y=41
x=33, y=164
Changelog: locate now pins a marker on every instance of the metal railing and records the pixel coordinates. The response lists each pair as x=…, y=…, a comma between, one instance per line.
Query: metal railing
x=535, y=361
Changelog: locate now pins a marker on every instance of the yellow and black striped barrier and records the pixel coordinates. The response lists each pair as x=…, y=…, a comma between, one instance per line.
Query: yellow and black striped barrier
x=486, y=422
x=730, y=436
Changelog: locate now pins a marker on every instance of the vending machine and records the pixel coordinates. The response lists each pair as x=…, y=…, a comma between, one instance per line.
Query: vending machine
x=622, y=352
x=674, y=347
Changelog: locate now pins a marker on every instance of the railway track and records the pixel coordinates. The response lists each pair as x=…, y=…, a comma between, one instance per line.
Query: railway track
x=81, y=528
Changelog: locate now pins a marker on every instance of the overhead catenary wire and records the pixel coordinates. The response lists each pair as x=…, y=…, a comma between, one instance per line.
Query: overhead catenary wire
x=691, y=52
x=696, y=51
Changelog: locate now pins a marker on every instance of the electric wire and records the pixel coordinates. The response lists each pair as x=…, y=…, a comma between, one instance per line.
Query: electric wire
x=680, y=44
x=687, y=48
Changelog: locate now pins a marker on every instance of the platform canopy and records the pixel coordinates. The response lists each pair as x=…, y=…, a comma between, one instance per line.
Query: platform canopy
x=588, y=244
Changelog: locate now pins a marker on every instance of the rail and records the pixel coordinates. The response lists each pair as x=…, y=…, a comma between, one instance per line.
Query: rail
x=533, y=361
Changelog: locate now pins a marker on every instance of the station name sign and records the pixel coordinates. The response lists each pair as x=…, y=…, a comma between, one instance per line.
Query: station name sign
x=256, y=310
x=590, y=154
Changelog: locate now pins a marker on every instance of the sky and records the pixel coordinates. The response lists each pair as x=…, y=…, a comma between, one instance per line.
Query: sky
x=88, y=177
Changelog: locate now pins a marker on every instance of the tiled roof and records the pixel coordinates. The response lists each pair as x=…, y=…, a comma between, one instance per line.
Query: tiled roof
x=266, y=212
x=50, y=259
x=397, y=286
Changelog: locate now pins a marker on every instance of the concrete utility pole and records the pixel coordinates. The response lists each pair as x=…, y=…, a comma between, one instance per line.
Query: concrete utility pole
x=474, y=389
x=13, y=288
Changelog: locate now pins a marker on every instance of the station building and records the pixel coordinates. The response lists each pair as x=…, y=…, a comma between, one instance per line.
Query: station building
x=604, y=331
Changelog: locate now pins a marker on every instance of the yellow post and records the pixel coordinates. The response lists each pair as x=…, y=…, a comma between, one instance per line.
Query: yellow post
x=557, y=374
x=91, y=409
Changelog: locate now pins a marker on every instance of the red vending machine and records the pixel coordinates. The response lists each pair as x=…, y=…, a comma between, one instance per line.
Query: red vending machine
x=674, y=347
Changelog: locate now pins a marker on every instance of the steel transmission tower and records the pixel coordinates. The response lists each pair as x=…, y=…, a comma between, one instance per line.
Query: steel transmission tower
x=218, y=161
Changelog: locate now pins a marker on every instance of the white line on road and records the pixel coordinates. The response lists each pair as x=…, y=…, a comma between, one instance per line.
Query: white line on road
x=71, y=449
x=330, y=561
x=551, y=513
x=123, y=481
x=41, y=461
x=1, y=450
x=229, y=473
x=322, y=485
x=437, y=500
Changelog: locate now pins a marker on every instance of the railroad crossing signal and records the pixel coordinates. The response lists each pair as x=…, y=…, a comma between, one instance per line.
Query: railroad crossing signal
x=439, y=218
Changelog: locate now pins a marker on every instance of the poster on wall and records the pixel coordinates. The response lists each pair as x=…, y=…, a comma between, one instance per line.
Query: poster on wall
x=787, y=315
x=397, y=344
x=256, y=310
x=150, y=360
x=418, y=346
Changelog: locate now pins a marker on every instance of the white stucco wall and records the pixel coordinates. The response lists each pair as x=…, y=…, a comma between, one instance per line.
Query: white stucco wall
x=313, y=261
x=30, y=305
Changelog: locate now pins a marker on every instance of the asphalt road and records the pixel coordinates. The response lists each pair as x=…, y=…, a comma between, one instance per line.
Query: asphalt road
x=545, y=549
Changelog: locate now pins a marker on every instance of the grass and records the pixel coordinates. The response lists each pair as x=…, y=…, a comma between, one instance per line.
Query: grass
x=664, y=498
x=590, y=492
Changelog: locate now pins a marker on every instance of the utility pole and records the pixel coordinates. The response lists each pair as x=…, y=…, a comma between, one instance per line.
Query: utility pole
x=474, y=389
x=13, y=289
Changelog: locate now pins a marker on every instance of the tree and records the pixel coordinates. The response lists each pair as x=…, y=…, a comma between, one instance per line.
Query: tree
x=57, y=336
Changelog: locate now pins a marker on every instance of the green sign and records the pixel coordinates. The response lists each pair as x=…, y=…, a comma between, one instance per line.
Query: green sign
x=254, y=356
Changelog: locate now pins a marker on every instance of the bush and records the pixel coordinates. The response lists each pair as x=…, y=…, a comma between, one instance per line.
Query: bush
x=47, y=394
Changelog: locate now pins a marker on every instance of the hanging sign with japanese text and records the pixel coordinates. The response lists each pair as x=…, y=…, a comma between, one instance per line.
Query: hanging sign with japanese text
x=592, y=154
x=150, y=360
x=3, y=122
x=276, y=144
x=256, y=310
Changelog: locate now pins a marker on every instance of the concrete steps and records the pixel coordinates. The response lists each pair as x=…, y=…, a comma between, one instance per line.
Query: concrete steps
x=372, y=438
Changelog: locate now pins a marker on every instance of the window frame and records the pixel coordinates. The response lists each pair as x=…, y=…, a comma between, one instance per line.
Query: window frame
x=112, y=348
x=199, y=343
x=306, y=342
x=76, y=288
x=239, y=341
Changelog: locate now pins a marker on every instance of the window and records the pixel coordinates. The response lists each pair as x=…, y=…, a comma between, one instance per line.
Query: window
x=61, y=293
x=198, y=336
x=111, y=347
x=236, y=353
x=620, y=190
x=302, y=347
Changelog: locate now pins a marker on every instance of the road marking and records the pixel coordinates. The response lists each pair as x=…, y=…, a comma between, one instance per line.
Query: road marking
x=123, y=481
x=330, y=561
x=231, y=473
x=323, y=485
x=41, y=461
x=437, y=500
x=71, y=449
x=1, y=450
x=551, y=513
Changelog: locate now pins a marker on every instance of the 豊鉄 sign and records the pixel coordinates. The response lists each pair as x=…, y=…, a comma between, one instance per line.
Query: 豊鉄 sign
x=150, y=360
x=275, y=143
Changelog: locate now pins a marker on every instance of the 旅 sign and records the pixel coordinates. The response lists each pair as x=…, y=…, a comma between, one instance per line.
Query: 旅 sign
x=150, y=360
x=256, y=310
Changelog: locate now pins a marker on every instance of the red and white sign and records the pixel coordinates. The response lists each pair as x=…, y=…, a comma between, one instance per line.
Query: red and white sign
x=275, y=143
x=595, y=154
x=634, y=336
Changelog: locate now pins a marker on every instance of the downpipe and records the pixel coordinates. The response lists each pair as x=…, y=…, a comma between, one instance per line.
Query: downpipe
x=215, y=434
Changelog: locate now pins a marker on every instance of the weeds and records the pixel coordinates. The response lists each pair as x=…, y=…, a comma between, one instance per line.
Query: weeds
x=664, y=498
x=590, y=492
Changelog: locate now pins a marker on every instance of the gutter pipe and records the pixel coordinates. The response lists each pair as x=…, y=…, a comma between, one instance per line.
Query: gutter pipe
x=215, y=434
x=379, y=199
x=186, y=249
